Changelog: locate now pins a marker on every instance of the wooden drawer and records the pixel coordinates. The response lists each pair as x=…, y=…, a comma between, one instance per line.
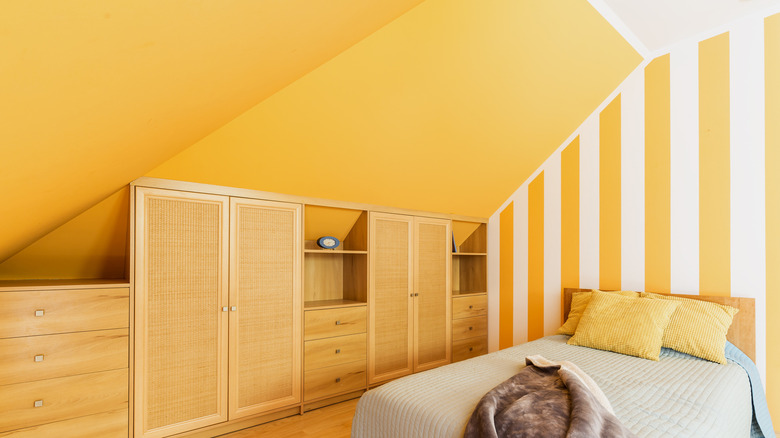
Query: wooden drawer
x=106, y=425
x=334, y=380
x=328, y=323
x=62, y=398
x=469, y=306
x=45, y=357
x=469, y=328
x=328, y=352
x=468, y=348
x=63, y=311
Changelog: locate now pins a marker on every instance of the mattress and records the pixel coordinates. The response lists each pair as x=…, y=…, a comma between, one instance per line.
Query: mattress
x=679, y=395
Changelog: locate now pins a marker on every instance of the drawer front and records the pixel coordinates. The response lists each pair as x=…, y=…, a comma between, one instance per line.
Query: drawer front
x=106, y=425
x=63, y=311
x=469, y=328
x=45, y=357
x=334, y=380
x=468, y=307
x=328, y=352
x=61, y=399
x=334, y=322
x=468, y=348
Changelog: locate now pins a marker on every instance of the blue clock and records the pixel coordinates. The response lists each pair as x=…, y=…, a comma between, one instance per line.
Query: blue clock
x=328, y=242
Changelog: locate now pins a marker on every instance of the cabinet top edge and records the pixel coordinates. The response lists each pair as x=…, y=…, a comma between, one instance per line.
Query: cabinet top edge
x=22, y=285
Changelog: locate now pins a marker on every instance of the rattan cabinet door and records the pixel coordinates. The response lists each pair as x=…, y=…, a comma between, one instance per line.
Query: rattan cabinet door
x=390, y=297
x=181, y=332
x=432, y=315
x=265, y=303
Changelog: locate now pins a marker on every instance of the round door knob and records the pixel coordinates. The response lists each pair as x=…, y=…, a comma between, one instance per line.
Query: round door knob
x=471, y=307
x=471, y=348
x=338, y=379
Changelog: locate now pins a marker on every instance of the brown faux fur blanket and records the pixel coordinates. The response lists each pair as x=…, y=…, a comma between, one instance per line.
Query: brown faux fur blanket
x=545, y=399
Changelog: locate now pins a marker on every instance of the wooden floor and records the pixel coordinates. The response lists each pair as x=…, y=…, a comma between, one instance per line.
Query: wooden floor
x=334, y=421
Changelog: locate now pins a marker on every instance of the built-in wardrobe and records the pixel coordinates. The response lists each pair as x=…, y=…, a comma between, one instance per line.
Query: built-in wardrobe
x=240, y=317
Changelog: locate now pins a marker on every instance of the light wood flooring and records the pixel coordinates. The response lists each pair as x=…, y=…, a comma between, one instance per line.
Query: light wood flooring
x=334, y=421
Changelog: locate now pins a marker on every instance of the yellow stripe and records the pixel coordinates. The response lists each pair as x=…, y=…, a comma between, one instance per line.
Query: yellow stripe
x=536, y=258
x=609, y=196
x=657, y=177
x=570, y=217
x=772, y=74
x=714, y=180
x=506, y=278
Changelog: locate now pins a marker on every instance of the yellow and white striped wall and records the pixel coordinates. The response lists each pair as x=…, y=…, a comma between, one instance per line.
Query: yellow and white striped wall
x=671, y=185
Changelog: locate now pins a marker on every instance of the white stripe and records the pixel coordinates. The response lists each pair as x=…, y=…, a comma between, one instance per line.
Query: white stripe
x=589, y=202
x=748, y=236
x=520, y=299
x=684, y=167
x=494, y=274
x=552, y=244
x=632, y=177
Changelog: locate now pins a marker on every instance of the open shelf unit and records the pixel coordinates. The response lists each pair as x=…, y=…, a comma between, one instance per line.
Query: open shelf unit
x=335, y=277
x=469, y=260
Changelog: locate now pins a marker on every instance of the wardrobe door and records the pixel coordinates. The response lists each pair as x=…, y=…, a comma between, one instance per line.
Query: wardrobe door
x=181, y=331
x=432, y=292
x=265, y=306
x=390, y=297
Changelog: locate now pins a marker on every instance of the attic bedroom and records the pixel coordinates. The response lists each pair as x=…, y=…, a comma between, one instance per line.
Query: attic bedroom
x=390, y=219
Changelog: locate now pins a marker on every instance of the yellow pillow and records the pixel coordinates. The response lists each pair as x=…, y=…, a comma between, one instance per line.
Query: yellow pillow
x=633, y=326
x=579, y=301
x=697, y=327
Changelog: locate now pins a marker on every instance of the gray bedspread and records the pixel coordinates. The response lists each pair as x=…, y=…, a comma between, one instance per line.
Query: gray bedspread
x=678, y=396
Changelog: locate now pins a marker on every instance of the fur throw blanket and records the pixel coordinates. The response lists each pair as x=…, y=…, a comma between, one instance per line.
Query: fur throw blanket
x=545, y=399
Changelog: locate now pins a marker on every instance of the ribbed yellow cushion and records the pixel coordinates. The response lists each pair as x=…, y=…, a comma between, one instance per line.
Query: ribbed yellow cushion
x=633, y=326
x=579, y=301
x=697, y=327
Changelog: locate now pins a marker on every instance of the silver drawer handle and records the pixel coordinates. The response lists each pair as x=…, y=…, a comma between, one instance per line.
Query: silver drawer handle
x=338, y=350
x=39, y=312
x=38, y=358
x=338, y=322
x=38, y=403
x=338, y=379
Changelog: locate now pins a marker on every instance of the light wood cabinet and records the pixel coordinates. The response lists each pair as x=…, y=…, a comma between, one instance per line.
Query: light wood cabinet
x=409, y=295
x=207, y=352
x=469, y=296
x=64, y=358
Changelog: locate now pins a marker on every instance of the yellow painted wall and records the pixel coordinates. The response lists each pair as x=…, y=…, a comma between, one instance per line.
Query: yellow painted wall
x=448, y=108
x=91, y=245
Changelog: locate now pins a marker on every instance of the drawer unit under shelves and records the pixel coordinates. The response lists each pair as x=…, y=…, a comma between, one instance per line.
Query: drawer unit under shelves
x=329, y=323
x=339, y=350
x=467, y=306
x=468, y=348
x=29, y=313
x=334, y=380
x=45, y=357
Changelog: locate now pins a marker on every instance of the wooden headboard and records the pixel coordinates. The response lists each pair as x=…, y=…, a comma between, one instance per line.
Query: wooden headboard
x=742, y=332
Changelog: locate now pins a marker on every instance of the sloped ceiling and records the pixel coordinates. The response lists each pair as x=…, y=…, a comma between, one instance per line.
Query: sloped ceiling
x=449, y=108
x=95, y=93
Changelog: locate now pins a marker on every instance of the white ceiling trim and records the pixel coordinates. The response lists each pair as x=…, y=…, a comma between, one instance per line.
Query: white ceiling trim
x=620, y=26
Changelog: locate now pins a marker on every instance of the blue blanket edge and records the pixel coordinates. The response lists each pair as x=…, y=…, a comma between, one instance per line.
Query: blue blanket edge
x=761, y=417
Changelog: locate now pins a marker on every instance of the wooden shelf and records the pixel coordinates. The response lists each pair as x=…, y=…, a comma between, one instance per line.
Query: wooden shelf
x=333, y=251
x=469, y=253
x=461, y=292
x=327, y=304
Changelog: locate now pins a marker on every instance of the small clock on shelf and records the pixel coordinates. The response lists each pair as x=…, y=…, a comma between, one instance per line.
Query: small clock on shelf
x=328, y=242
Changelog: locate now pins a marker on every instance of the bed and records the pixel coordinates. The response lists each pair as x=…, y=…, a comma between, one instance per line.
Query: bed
x=679, y=395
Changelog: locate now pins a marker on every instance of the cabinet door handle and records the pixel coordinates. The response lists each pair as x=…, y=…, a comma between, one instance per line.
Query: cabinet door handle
x=38, y=358
x=416, y=294
x=338, y=379
x=338, y=322
x=338, y=350
x=225, y=309
x=39, y=312
x=233, y=308
x=38, y=403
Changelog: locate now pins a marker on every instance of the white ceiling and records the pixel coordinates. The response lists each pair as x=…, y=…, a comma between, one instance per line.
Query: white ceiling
x=659, y=23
